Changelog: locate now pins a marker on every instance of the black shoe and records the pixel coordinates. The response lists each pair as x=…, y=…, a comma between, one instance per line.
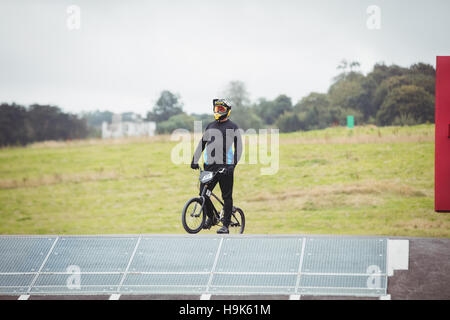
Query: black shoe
x=223, y=230
x=208, y=224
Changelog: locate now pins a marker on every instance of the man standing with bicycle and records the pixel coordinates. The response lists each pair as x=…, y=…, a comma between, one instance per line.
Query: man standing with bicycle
x=222, y=146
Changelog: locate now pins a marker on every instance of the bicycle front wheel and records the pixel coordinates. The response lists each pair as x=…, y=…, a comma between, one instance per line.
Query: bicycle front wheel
x=193, y=216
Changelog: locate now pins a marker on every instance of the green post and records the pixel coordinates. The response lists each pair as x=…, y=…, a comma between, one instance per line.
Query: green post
x=350, y=122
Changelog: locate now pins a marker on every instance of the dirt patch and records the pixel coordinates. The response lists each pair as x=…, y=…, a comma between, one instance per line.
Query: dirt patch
x=97, y=142
x=363, y=188
x=68, y=178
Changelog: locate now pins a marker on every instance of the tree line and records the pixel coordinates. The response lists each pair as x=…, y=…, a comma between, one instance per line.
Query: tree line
x=20, y=125
x=388, y=95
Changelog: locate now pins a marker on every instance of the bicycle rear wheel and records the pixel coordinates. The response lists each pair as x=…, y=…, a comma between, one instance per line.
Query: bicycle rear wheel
x=237, y=221
x=193, y=216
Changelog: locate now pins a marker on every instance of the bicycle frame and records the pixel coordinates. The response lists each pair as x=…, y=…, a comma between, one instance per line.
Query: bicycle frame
x=207, y=194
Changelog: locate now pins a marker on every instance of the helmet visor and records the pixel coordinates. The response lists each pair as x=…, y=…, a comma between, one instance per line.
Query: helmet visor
x=220, y=109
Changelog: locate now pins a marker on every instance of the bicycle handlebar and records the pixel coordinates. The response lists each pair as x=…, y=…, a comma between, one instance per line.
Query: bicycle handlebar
x=221, y=170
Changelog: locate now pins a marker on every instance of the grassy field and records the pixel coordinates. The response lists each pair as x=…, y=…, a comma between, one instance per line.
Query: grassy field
x=365, y=181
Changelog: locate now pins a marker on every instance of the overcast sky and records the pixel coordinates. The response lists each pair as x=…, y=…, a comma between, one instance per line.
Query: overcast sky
x=126, y=52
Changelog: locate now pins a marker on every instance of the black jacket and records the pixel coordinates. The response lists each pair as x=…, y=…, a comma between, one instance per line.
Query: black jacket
x=220, y=153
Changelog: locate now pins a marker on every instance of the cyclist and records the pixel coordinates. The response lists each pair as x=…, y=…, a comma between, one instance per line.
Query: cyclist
x=218, y=140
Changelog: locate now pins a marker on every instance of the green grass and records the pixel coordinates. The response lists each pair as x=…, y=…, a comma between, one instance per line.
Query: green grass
x=366, y=181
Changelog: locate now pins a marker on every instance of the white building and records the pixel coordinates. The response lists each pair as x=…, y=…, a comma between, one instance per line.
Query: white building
x=119, y=128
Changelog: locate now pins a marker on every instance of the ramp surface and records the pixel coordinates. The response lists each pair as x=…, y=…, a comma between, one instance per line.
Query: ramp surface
x=217, y=265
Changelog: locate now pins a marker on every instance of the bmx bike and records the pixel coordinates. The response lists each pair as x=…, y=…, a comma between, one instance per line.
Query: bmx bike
x=193, y=215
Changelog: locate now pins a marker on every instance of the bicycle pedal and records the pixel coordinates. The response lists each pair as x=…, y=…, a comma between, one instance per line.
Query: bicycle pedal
x=207, y=225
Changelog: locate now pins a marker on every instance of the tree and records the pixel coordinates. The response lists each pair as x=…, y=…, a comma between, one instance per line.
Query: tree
x=425, y=81
x=236, y=93
x=409, y=102
x=46, y=122
x=14, y=128
x=314, y=99
x=264, y=109
x=386, y=86
x=289, y=122
x=363, y=101
x=167, y=106
x=246, y=118
x=419, y=75
x=50, y=123
x=269, y=111
x=352, y=90
x=315, y=111
x=242, y=114
x=281, y=104
x=20, y=125
x=423, y=68
x=343, y=65
x=179, y=121
x=346, y=92
x=381, y=72
x=354, y=64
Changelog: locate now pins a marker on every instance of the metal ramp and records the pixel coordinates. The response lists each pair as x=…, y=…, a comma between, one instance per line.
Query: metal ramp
x=186, y=264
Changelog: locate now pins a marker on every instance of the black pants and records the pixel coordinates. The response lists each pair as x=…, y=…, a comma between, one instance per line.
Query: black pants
x=226, y=186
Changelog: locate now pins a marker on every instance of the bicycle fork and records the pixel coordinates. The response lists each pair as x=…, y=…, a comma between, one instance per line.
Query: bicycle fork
x=202, y=197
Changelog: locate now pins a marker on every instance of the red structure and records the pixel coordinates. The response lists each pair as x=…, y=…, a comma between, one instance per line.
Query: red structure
x=442, y=136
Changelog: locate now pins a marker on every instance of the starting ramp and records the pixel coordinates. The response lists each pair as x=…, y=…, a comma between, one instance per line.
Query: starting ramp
x=205, y=265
